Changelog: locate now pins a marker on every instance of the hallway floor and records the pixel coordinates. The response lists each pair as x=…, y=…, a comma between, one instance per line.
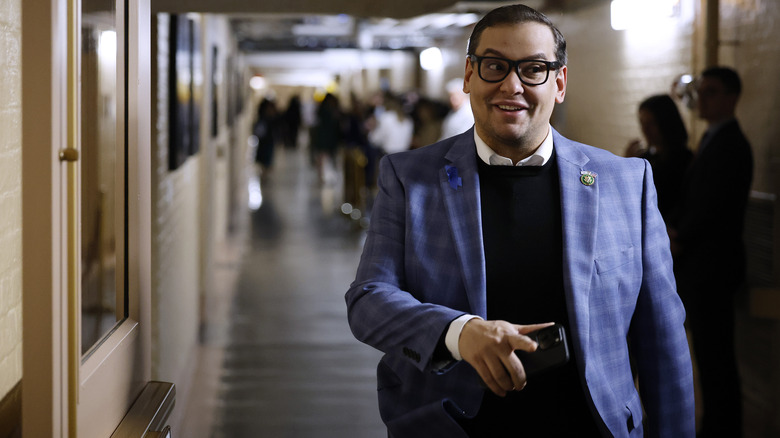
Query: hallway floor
x=278, y=358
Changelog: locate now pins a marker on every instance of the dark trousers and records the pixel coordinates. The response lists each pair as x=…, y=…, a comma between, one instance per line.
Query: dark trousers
x=711, y=313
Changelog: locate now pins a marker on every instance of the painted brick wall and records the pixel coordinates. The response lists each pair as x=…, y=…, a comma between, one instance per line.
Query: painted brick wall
x=750, y=31
x=10, y=196
x=175, y=245
x=611, y=72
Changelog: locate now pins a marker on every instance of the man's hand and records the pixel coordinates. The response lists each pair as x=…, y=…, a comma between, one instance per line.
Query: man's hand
x=489, y=347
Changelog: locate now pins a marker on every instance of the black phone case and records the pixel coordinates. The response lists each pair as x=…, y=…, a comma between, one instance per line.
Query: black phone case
x=553, y=350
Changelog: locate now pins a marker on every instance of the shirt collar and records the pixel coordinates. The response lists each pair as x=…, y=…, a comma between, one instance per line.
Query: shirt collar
x=538, y=158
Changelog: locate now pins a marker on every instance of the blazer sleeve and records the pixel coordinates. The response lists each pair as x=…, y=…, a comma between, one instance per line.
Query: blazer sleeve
x=657, y=334
x=382, y=310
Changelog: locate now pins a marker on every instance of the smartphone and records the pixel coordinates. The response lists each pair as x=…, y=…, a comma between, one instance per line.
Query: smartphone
x=553, y=350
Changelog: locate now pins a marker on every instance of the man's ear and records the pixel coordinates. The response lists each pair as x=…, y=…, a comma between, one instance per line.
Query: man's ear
x=560, y=83
x=467, y=76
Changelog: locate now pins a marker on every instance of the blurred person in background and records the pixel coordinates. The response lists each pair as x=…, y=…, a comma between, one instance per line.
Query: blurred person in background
x=665, y=146
x=359, y=161
x=460, y=118
x=709, y=253
x=394, y=128
x=326, y=135
x=291, y=122
x=267, y=132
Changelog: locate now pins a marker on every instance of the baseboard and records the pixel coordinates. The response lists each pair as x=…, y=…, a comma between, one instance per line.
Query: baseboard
x=11, y=413
x=184, y=384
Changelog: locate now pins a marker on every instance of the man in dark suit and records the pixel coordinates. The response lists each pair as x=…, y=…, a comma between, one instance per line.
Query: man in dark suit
x=482, y=238
x=709, y=254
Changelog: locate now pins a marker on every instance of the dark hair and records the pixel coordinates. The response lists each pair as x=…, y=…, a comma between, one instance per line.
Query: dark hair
x=517, y=14
x=266, y=108
x=667, y=117
x=727, y=76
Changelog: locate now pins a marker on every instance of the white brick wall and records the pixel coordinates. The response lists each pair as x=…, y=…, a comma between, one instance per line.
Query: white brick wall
x=10, y=196
x=175, y=245
x=750, y=31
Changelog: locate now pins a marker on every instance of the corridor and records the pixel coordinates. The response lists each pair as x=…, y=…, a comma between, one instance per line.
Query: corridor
x=278, y=359
x=131, y=255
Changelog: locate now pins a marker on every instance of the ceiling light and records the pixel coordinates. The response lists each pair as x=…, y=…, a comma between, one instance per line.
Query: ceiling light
x=431, y=59
x=628, y=14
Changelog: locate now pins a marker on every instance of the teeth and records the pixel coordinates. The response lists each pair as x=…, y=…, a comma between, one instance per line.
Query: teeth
x=509, y=108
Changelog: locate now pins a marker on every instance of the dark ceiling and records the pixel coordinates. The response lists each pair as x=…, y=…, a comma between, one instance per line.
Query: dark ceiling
x=391, y=9
x=296, y=25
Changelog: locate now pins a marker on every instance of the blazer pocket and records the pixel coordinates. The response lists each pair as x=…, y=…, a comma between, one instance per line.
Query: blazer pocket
x=613, y=260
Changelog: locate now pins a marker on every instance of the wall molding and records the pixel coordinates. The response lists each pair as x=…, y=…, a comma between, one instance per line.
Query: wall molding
x=11, y=413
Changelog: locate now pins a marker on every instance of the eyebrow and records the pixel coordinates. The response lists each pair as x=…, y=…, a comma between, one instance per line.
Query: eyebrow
x=540, y=55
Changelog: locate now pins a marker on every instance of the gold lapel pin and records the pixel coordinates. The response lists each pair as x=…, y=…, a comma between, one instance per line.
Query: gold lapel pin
x=587, y=178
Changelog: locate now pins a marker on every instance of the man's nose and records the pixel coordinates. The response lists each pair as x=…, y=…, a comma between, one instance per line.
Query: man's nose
x=512, y=83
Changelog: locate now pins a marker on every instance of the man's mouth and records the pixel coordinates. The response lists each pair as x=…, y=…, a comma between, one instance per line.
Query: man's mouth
x=510, y=108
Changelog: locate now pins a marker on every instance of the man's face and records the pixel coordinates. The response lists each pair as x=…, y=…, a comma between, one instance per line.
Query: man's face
x=510, y=114
x=714, y=102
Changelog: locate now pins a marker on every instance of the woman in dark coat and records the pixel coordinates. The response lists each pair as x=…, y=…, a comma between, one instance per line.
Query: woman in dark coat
x=666, y=148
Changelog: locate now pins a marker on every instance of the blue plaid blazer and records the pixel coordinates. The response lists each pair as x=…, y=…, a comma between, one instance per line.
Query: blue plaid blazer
x=423, y=265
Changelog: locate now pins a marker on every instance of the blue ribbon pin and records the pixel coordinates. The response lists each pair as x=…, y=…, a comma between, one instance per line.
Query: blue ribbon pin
x=453, y=178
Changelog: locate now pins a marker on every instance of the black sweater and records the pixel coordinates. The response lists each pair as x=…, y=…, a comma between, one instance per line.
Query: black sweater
x=522, y=233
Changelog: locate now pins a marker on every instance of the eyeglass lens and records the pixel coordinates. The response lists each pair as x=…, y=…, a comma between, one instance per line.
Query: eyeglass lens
x=496, y=69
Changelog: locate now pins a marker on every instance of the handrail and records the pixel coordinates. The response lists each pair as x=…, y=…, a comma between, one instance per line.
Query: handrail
x=149, y=414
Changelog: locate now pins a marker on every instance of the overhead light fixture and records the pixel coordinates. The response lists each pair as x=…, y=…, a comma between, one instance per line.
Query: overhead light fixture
x=431, y=59
x=258, y=83
x=628, y=14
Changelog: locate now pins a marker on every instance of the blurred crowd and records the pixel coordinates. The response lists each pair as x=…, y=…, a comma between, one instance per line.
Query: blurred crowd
x=358, y=132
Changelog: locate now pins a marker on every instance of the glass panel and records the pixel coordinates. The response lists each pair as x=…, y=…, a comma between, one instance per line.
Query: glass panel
x=99, y=155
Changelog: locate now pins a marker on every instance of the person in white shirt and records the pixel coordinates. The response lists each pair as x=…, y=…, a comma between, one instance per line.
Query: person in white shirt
x=460, y=118
x=394, y=128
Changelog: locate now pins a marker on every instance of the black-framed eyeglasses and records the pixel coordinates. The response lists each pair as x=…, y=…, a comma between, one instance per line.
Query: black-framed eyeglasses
x=530, y=71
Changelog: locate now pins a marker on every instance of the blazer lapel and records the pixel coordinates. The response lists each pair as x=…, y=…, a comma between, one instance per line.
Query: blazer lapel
x=579, y=209
x=460, y=186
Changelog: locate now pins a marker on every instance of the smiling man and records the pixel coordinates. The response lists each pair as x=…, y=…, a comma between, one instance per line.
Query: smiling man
x=478, y=243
